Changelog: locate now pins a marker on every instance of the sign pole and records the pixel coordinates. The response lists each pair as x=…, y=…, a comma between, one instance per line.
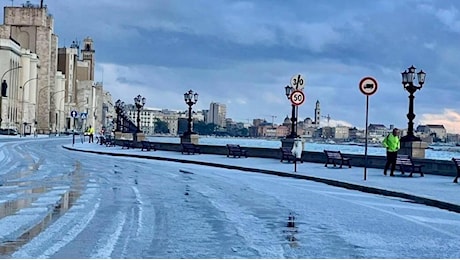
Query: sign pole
x=367, y=86
x=297, y=98
x=365, y=145
x=296, y=121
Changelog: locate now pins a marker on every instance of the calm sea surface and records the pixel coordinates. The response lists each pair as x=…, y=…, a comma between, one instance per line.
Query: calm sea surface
x=435, y=152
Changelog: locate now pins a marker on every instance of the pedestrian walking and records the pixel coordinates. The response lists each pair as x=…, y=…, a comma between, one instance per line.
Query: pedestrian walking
x=91, y=134
x=392, y=145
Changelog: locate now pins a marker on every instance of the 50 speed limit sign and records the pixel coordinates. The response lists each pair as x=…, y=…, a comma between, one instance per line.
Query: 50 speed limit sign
x=297, y=98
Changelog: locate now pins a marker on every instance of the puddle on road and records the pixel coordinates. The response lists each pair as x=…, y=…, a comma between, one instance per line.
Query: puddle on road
x=11, y=207
x=66, y=201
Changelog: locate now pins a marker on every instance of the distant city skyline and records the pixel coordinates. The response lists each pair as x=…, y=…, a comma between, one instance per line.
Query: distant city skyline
x=243, y=54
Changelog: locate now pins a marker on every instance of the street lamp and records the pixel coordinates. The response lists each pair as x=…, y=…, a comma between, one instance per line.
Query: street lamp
x=408, y=77
x=288, y=89
x=53, y=104
x=4, y=88
x=119, y=105
x=190, y=99
x=139, y=101
x=23, y=102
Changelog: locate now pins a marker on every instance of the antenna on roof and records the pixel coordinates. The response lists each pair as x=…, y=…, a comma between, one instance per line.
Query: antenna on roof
x=41, y=3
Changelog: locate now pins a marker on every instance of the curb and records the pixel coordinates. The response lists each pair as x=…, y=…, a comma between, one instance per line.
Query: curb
x=346, y=185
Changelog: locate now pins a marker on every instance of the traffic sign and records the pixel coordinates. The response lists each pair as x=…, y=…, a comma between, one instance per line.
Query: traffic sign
x=297, y=98
x=297, y=82
x=73, y=113
x=368, y=86
x=83, y=115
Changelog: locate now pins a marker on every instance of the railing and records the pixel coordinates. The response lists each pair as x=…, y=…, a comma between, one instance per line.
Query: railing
x=127, y=125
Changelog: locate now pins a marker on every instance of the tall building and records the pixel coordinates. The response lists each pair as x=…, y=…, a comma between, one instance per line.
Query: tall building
x=317, y=113
x=33, y=28
x=45, y=82
x=217, y=114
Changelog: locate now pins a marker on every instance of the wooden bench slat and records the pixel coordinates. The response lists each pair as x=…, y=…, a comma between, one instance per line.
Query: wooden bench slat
x=148, y=146
x=190, y=148
x=406, y=163
x=336, y=157
x=286, y=154
x=127, y=144
x=235, y=150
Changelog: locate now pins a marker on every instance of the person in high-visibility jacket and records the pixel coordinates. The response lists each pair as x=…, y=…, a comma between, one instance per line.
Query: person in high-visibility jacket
x=392, y=145
x=91, y=134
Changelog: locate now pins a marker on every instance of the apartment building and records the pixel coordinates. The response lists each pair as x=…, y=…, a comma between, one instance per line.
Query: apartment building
x=217, y=114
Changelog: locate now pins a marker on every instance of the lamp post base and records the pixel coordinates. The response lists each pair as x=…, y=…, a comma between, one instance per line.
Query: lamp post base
x=138, y=137
x=288, y=142
x=189, y=138
x=415, y=149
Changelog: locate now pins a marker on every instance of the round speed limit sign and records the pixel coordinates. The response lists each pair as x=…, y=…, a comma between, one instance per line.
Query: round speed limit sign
x=297, y=98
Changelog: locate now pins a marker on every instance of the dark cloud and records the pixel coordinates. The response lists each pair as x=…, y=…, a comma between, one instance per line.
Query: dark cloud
x=243, y=53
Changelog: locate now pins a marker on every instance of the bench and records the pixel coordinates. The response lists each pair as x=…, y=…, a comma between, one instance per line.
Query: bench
x=336, y=157
x=236, y=150
x=286, y=154
x=457, y=165
x=406, y=164
x=108, y=141
x=105, y=140
x=190, y=148
x=148, y=146
x=127, y=144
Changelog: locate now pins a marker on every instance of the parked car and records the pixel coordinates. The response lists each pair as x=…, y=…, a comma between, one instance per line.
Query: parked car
x=9, y=131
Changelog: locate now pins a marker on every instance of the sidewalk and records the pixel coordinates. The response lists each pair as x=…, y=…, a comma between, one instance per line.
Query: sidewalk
x=433, y=190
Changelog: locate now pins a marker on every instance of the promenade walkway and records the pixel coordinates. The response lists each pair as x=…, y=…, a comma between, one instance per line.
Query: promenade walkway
x=433, y=190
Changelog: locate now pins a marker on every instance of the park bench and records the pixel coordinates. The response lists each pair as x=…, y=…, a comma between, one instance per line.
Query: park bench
x=148, y=146
x=190, y=148
x=236, y=150
x=406, y=164
x=105, y=140
x=336, y=157
x=127, y=144
x=286, y=154
x=457, y=166
x=108, y=140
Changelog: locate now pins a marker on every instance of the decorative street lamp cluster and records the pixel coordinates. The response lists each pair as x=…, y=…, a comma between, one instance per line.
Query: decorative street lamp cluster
x=139, y=101
x=119, y=109
x=289, y=90
x=408, y=77
x=190, y=99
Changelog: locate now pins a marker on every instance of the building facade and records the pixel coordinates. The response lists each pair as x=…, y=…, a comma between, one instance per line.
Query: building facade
x=217, y=114
x=45, y=82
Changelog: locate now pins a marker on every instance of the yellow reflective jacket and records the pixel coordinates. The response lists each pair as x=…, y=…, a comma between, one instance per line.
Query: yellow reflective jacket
x=391, y=143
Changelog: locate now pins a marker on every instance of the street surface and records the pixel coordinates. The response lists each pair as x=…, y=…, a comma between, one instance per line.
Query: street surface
x=56, y=203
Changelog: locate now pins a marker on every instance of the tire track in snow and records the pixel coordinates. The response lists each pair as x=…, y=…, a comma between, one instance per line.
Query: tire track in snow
x=105, y=251
x=140, y=219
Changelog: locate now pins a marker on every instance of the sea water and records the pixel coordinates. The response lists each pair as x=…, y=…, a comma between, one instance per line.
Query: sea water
x=434, y=152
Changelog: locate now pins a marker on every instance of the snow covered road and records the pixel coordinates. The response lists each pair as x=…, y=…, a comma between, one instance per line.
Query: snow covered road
x=56, y=203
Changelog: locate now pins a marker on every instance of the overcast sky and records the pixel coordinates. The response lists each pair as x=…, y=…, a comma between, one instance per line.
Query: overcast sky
x=243, y=54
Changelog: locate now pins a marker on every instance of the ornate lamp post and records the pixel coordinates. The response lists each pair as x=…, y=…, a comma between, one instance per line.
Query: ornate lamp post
x=139, y=101
x=293, y=133
x=190, y=99
x=119, y=105
x=408, y=77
